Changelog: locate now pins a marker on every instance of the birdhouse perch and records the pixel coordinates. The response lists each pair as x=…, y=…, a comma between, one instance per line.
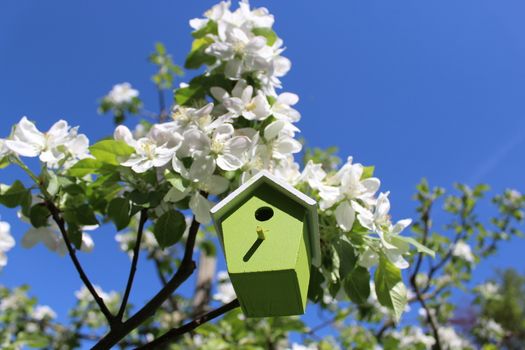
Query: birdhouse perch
x=269, y=232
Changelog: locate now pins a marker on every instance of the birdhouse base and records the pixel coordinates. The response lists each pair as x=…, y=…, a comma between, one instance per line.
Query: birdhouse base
x=274, y=293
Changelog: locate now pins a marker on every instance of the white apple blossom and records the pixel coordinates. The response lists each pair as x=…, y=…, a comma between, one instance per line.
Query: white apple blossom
x=83, y=294
x=4, y=150
x=378, y=221
x=488, y=290
x=187, y=117
x=368, y=258
x=297, y=346
x=148, y=155
x=413, y=337
x=241, y=51
x=463, y=251
x=51, y=237
x=282, y=110
x=154, y=150
x=227, y=149
x=490, y=329
x=450, y=340
x=242, y=102
x=313, y=174
x=42, y=312
x=6, y=242
x=288, y=170
x=60, y=144
x=348, y=184
x=122, y=94
x=279, y=140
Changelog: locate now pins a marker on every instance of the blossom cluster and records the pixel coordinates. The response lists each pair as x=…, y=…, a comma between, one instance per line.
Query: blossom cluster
x=6, y=242
x=60, y=146
x=413, y=337
x=121, y=94
x=239, y=46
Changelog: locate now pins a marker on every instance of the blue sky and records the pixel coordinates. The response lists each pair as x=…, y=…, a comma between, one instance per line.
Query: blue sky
x=418, y=89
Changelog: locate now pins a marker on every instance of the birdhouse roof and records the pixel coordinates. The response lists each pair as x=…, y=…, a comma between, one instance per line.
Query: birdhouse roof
x=245, y=191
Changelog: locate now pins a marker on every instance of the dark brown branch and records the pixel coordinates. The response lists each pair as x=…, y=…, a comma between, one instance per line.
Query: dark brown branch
x=175, y=333
x=185, y=270
x=430, y=319
x=425, y=217
x=55, y=213
x=134, y=261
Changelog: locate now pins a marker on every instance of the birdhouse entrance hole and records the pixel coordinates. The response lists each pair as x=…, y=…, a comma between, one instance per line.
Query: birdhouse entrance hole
x=264, y=213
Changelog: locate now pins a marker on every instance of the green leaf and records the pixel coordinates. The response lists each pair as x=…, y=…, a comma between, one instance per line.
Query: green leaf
x=315, y=289
x=357, y=285
x=347, y=258
x=33, y=340
x=74, y=234
x=14, y=195
x=267, y=33
x=74, y=189
x=118, y=211
x=109, y=151
x=38, y=215
x=52, y=183
x=169, y=228
x=84, y=167
x=175, y=181
x=210, y=28
x=160, y=48
x=4, y=162
x=420, y=247
x=368, y=171
x=390, y=290
x=81, y=215
x=197, y=57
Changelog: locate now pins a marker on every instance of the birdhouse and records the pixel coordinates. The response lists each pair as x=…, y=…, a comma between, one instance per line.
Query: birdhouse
x=269, y=232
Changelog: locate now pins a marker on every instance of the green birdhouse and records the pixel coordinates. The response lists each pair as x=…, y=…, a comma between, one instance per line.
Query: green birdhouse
x=270, y=237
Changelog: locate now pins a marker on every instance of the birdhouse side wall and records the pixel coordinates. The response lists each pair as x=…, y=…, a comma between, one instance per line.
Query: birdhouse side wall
x=303, y=265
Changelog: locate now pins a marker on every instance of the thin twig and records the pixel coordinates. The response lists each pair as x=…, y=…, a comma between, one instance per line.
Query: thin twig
x=425, y=217
x=55, y=213
x=177, y=332
x=134, y=261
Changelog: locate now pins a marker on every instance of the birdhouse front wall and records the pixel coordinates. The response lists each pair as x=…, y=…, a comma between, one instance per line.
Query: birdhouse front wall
x=283, y=233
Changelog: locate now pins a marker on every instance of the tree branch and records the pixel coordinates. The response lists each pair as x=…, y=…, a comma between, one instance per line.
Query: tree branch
x=184, y=271
x=55, y=213
x=177, y=332
x=134, y=261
